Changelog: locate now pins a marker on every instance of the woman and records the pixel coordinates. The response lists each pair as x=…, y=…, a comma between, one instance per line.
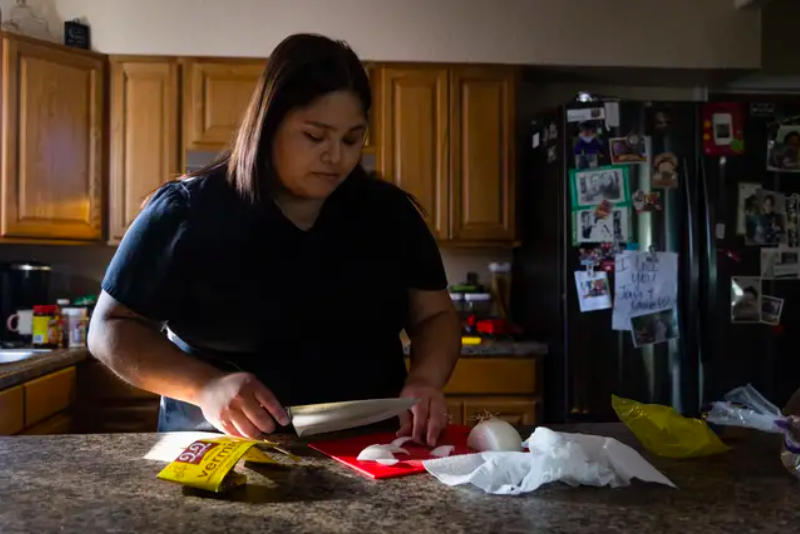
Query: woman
x=283, y=273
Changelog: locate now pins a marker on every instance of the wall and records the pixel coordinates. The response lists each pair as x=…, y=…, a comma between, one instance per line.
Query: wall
x=688, y=33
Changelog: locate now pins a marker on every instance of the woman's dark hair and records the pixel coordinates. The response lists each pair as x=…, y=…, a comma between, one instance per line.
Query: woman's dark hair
x=302, y=67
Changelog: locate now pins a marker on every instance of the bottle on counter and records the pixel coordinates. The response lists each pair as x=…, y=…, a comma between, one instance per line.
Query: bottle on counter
x=47, y=331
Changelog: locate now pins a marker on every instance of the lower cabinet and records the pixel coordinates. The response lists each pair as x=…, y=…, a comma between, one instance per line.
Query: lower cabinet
x=107, y=404
x=504, y=387
x=40, y=406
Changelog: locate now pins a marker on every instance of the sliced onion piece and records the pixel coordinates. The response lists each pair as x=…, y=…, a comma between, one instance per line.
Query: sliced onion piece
x=399, y=442
x=494, y=435
x=442, y=451
x=376, y=453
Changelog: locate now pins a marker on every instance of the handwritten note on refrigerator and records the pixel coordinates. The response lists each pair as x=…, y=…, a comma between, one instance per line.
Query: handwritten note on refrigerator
x=643, y=282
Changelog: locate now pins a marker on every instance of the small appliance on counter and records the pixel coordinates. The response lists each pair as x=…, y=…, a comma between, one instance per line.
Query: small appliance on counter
x=482, y=310
x=23, y=285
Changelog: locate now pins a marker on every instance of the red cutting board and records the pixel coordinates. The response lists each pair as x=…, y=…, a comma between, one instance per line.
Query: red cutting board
x=346, y=450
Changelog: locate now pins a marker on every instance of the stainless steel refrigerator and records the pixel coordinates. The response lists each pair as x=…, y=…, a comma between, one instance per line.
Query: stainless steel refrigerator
x=588, y=361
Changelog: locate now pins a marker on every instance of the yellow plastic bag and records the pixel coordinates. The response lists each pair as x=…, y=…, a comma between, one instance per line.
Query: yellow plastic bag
x=665, y=432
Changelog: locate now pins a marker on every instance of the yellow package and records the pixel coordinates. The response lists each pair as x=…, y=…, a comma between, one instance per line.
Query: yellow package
x=208, y=464
x=665, y=432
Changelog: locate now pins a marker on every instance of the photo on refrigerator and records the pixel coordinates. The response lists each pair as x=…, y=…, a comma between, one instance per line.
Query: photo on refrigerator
x=651, y=328
x=780, y=264
x=765, y=219
x=783, y=153
x=592, y=187
x=745, y=299
x=598, y=226
x=771, y=309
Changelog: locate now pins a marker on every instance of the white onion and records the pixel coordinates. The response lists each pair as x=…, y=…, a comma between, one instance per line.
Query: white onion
x=442, y=451
x=494, y=435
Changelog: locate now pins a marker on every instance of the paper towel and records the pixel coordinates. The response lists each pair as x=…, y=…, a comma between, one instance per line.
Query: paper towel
x=553, y=456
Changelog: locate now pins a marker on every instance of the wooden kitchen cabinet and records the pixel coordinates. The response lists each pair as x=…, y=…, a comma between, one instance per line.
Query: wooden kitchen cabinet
x=506, y=387
x=52, y=141
x=145, y=143
x=414, y=127
x=216, y=95
x=12, y=410
x=40, y=406
x=107, y=404
x=482, y=154
x=448, y=139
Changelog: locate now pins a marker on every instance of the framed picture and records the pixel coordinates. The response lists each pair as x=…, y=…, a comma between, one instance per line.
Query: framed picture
x=592, y=187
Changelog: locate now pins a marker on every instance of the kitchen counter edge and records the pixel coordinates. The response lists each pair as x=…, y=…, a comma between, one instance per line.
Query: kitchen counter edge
x=14, y=374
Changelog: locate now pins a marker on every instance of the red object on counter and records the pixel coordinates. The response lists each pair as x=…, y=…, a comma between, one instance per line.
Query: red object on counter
x=346, y=450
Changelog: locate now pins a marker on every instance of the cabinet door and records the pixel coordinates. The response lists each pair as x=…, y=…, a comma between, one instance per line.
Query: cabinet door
x=414, y=125
x=517, y=411
x=217, y=93
x=144, y=135
x=52, y=169
x=12, y=411
x=482, y=152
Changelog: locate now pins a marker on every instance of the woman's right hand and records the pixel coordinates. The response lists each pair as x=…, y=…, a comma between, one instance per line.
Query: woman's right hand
x=240, y=405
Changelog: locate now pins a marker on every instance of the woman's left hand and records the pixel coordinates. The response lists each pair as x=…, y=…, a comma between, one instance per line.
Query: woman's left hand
x=428, y=418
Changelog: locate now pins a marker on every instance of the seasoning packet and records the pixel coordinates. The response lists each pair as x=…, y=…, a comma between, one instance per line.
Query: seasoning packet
x=208, y=464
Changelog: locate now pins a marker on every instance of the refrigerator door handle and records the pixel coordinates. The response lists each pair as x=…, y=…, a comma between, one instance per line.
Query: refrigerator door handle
x=710, y=272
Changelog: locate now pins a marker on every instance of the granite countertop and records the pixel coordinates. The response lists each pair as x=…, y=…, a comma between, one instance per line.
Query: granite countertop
x=101, y=483
x=511, y=349
x=12, y=374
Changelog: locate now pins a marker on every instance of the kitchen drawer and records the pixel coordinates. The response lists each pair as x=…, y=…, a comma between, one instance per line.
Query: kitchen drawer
x=493, y=376
x=49, y=395
x=12, y=411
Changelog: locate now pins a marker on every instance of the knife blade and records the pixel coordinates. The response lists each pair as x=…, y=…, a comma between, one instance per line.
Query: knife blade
x=312, y=419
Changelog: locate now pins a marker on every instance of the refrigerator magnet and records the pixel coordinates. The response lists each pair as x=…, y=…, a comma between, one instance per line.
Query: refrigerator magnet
x=629, y=149
x=552, y=154
x=665, y=171
x=646, y=202
x=771, y=309
x=723, y=133
x=783, y=152
x=588, y=145
x=745, y=299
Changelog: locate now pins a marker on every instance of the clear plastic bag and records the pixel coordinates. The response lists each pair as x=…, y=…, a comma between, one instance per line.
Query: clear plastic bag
x=746, y=407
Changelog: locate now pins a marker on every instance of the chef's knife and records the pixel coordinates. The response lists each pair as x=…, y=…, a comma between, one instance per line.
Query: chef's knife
x=319, y=418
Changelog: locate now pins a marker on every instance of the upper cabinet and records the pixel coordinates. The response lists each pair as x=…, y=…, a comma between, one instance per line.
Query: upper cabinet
x=482, y=154
x=52, y=137
x=145, y=142
x=414, y=138
x=216, y=95
x=442, y=133
x=447, y=138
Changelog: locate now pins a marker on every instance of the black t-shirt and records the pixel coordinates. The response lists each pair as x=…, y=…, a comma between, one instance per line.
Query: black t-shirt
x=316, y=314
